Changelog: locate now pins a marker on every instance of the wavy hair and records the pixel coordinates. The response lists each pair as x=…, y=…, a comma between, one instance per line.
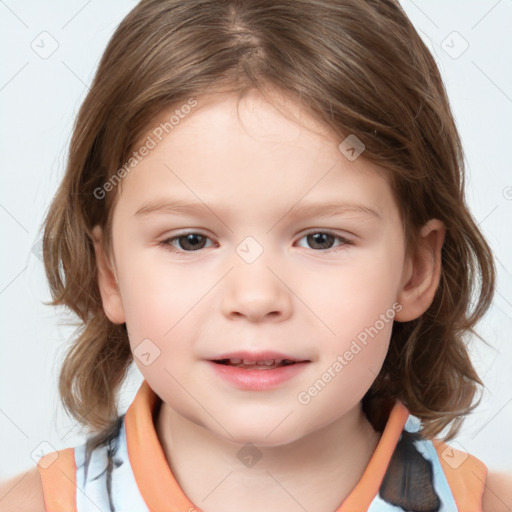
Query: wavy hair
x=358, y=67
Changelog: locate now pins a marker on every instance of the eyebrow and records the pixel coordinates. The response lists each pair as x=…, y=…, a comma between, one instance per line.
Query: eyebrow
x=329, y=208
x=170, y=207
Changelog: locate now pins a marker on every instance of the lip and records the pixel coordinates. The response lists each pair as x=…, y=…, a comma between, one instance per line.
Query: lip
x=262, y=355
x=256, y=379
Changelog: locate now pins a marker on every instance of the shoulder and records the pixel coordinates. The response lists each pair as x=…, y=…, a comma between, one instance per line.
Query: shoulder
x=497, y=496
x=23, y=493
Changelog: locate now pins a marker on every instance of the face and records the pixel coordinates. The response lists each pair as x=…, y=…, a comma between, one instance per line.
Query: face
x=251, y=237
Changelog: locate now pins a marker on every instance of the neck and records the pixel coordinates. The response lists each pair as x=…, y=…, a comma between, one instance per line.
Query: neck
x=316, y=472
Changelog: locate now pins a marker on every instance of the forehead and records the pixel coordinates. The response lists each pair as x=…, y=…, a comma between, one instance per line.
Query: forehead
x=242, y=152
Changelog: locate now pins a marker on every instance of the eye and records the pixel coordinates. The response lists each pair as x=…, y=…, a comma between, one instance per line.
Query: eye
x=191, y=242
x=323, y=240
x=187, y=242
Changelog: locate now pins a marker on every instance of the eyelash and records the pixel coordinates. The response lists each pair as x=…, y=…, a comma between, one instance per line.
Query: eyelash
x=167, y=243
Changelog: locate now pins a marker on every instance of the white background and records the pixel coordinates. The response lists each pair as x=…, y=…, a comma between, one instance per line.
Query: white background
x=39, y=99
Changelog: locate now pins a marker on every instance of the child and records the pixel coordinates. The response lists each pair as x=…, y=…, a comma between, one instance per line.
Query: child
x=307, y=347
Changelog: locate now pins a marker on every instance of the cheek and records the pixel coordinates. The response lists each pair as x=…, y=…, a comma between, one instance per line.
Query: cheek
x=357, y=295
x=360, y=318
x=158, y=304
x=157, y=295
x=358, y=305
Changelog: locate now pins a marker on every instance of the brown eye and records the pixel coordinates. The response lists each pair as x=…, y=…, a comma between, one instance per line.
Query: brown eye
x=192, y=241
x=324, y=240
x=187, y=242
x=320, y=240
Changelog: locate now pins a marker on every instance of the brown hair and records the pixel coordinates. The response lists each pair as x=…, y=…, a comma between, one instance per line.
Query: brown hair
x=358, y=67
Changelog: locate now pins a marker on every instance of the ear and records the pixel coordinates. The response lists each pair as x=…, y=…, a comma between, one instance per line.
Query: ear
x=422, y=272
x=107, y=281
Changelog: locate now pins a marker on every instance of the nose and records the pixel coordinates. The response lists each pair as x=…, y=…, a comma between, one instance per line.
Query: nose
x=256, y=292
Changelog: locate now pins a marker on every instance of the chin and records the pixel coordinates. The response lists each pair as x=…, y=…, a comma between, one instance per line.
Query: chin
x=263, y=433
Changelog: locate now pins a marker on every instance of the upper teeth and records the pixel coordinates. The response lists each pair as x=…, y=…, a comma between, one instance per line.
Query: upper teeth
x=268, y=362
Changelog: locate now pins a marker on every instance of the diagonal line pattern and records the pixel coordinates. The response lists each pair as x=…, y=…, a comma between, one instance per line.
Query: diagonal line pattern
x=301, y=198
x=488, y=422
x=75, y=425
x=487, y=488
x=12, y=488
x=217, y=486
x=198, y=403
x=75, y=15
x=76, y=75
x=503, y=297
x=198, y=197
x=14, y=76
x=14, y=218
x=501, y=264
x=280, y=423
x=14, y=423
x=286, y=491
x=192, y=307
x=492, y=81
x=13, y=13
x=13, y=279
x=485, y=15
x=301, y=300
x=424, y=14
x=489, y=214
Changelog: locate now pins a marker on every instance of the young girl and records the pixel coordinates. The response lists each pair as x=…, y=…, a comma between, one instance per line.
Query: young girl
x=263, y=209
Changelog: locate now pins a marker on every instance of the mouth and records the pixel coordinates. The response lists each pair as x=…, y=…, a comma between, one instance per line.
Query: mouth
x=250, y=364
x=257, y=371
